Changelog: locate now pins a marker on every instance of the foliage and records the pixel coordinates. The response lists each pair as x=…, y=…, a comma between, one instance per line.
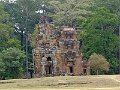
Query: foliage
x=102, y=19
x=24, y=17
x=7, y=38
x=11, y=63
x=98, y=63
x=32, y=36
x=2, y=66
x=112, y=5
x=66, y=12
x=98, y=36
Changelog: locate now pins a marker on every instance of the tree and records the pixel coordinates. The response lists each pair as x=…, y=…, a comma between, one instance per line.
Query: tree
x=98, y=36
x=98, y=63
x=67, y=11
x=11, y=63
x=23, y=16
x=2, y=67
x=113, y=6
x=32, y=37
x=7, y=37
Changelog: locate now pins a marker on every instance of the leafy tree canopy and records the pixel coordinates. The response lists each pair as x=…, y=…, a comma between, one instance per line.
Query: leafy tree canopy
x=65, y=12
x=11, y=63
x=7, y=38
x=98, y=63
x=99, y=37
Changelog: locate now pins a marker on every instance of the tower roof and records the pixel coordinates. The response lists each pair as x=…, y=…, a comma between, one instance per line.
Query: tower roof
x=69, y=29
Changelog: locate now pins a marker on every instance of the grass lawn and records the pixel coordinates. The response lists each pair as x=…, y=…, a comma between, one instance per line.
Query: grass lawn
x=103, y=82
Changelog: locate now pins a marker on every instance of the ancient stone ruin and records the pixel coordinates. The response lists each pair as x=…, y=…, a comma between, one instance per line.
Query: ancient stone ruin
x=56, y=52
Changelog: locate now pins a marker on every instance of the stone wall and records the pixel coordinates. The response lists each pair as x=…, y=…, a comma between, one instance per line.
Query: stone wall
x=56, y=52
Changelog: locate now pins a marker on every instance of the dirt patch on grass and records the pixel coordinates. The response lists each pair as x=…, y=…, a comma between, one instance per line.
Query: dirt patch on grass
x=6, y=82
x=62, y=82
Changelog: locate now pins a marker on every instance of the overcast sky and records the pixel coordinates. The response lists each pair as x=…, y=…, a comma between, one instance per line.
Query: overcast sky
x=9, y=0
x=12, y=0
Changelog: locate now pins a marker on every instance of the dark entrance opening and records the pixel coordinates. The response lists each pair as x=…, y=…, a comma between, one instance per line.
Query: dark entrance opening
x=49, y=66
x=49, y=59
x=84, y=71
x=71, y=69
x=49, y=70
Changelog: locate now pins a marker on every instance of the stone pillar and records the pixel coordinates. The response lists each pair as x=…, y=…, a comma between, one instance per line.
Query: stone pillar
x=44, y=62
x=43, y=70
x=67, y=69
x=88, y=70
x=54, y=65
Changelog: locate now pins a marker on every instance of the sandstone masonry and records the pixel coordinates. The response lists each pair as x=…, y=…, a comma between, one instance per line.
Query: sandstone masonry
x=57, y=52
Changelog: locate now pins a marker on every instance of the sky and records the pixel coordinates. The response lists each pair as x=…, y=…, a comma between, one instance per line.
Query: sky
x=9, y=0
x=12, y=0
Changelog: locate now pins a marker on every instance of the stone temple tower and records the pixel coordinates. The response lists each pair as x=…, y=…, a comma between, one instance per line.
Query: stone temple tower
x=56, y=52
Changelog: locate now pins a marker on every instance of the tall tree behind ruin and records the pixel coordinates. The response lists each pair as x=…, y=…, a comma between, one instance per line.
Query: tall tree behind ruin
x=67, y=11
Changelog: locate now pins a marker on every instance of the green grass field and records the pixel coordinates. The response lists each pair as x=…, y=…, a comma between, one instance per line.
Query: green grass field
x=103, y=82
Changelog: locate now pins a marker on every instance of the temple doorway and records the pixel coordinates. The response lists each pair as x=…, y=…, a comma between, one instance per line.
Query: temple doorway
x=49, y=67
x=71, y=69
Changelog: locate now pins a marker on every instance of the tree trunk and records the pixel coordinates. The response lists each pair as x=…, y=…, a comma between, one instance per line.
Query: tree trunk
x=22, y=40
x=119, y=51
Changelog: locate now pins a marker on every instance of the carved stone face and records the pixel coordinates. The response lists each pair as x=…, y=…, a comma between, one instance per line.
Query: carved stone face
x=69, y=34
x=44, y=61
x=40, y=37
x=69, y=44
x=57, y=34
x=70, y=55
